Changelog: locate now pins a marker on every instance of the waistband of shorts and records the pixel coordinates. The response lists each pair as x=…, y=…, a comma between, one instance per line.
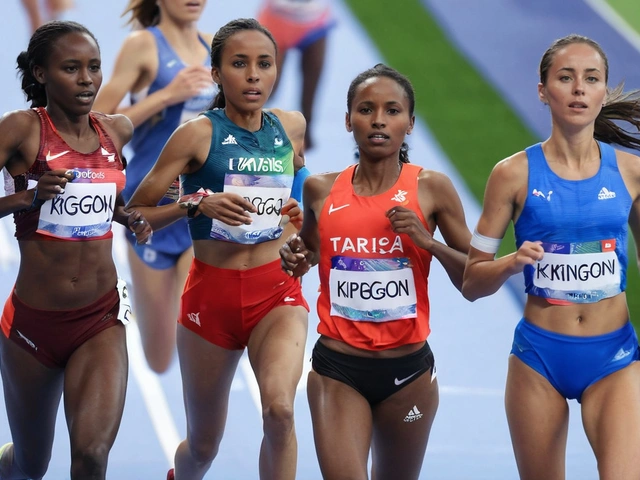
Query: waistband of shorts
x=627, y=328
x=113, y=293
x=205, y=269
x=366, y=362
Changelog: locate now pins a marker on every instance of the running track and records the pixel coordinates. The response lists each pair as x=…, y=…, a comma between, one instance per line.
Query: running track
x=471, y=341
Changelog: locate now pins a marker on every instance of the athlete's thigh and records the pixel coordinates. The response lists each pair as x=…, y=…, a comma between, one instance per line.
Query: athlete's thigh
x=342, y=426
x=156, y=292
x=611, y=418
x=207, y=372
x=538, y=418
x=94, y=389
x=276, y=350
x=401, y=427
x=32, y=395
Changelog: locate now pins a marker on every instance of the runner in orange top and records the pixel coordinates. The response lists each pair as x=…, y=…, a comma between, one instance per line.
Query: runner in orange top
x=370, y=228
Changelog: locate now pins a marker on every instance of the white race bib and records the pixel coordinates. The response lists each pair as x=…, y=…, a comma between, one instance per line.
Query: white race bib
x=84, y=210
x=373, y=296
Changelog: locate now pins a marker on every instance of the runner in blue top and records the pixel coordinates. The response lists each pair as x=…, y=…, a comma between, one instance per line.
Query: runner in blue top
x=571, y=199
x=166, y=70
x=236, y=295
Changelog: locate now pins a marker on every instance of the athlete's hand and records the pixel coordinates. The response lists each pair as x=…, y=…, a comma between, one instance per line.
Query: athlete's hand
x=528, y=254
x=294, y=256
x=229, y=208
x=188, y=82
x=140, y=227
x=52, y=183
x=293, y=212
x=406, y=221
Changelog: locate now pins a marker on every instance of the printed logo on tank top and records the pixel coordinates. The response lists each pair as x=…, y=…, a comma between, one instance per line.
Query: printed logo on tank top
x=583, y=272
x=85, y=209
x=266, y=183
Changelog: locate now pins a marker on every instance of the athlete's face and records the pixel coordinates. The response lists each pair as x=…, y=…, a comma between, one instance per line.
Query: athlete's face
x=72, y=76
x=247, y=70
x=181, y=11
x=379, y=118
x=575, y=88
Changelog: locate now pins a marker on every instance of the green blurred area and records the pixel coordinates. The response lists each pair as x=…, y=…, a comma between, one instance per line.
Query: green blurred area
x=474, y=126
x=629, y=10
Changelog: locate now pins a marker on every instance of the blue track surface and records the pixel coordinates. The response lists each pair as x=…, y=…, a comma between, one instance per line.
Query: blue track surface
x=471, y=342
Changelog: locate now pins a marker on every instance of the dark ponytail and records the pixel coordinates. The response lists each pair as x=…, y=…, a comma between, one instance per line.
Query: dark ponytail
x=619, y=106
x=37, y=54
x=220, y=40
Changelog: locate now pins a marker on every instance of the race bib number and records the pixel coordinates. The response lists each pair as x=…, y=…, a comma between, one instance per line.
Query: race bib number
x=372, y=290
x=84, y=210
x=268, y=194
x=578, y=272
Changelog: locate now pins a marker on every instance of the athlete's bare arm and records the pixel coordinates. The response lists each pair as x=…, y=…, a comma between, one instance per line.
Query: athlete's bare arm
x=629, y=166
x=185, y=151
x=442, y=208
x=135, y=69
x=19, y=143
x=503, y=201
x=295, y=125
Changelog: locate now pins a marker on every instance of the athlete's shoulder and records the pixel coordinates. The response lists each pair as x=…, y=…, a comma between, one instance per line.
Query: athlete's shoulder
x=290, y=118
x=207, y=37
x=629, y=166
x=19, y=119
x=117, y=126
x=433, y=181
x=196, y=129
x=512, y=168
x=139, y=41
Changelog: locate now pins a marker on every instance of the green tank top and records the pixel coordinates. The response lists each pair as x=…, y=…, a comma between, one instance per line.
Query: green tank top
x=255, y=165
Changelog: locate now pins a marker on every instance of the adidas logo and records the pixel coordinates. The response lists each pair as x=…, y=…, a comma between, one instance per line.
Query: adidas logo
x=194, y=317
x=230, y=140
x=606, y=194
x=413, y=415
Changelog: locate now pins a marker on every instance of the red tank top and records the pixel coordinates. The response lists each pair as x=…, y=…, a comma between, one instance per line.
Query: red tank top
x=85, y=210
x=373, y=282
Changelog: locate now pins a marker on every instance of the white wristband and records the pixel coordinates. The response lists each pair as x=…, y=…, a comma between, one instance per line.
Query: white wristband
x=485, y=244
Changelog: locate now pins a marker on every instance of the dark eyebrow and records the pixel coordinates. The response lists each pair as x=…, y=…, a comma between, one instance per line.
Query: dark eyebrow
x=243, y=55
x=573, y=70
x=369, y=102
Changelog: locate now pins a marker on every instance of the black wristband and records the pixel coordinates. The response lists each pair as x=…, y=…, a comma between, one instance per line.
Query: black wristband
x=191, y=211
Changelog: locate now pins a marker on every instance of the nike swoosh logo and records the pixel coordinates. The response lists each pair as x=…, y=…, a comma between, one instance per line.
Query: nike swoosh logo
x=400, y=382
x=331, y=209
x=50, y=157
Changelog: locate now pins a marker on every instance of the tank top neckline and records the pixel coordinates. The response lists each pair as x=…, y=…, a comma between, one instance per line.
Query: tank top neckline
x=92, y=122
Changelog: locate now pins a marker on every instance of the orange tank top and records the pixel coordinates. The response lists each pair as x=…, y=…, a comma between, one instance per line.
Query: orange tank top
x=373, y=282
x=85, y=210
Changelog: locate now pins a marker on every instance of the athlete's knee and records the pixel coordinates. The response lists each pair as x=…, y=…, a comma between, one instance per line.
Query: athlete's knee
x=278, y=419
x=31, y=466
x=159, y=363
x=89, y=462
x=204, y=452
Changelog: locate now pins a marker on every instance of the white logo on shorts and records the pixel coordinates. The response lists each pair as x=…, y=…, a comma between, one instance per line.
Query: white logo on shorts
x=194, y=317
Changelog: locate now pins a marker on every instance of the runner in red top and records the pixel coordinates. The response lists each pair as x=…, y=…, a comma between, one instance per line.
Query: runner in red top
x=370, y=228
x=62, y=327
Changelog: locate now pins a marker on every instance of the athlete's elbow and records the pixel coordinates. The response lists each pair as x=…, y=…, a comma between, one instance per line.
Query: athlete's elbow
x=469, y=290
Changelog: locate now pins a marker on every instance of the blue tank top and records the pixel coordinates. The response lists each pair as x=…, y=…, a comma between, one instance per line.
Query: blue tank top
x=149, y=138
x=256, y=165
x=582, y=225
